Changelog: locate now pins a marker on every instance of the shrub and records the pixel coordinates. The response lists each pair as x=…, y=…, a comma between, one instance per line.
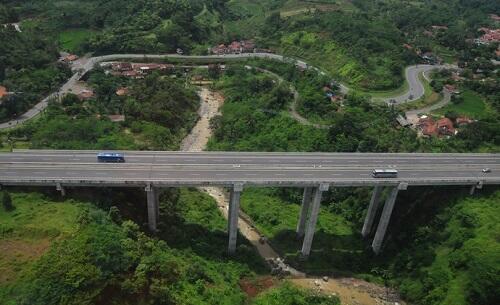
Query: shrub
x=7, y=202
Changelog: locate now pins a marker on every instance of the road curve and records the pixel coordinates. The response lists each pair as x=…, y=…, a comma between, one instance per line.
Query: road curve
x=416, y=88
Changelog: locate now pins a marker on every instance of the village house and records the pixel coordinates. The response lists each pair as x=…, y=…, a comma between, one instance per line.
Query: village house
x=68, y=58
x=439, y=27
x=235, y=47
x=451, y=89
x=441, y=127
x=116, y=117
x=456, y=77
x=445, y=127
x=495, y=17
x=3, y=91
x=132, y=74
x=147, y=67
x=407, y=46
x=121, y=66
x=489, y=36
x=123, y=91
x=462, y=121
x=85, y=95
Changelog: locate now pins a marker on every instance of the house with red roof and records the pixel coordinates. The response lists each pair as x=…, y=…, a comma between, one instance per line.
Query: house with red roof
x=3, y=91
x=445, y=127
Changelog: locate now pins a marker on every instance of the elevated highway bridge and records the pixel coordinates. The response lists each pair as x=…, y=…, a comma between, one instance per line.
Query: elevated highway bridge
x=314, y=172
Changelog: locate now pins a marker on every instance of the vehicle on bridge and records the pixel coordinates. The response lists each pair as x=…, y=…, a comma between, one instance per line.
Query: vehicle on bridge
x=110, y=157
x=385, y=173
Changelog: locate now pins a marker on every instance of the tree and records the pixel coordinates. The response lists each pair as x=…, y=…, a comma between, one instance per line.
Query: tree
x=7, y=202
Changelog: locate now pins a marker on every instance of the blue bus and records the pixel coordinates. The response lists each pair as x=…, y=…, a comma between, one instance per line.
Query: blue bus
x=110, y=157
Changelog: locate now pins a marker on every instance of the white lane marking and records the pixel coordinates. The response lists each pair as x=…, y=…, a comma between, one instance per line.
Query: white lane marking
x=335, y=174
x=279, y=174
x=195, y=174
x=17, y=158
x=39, y=173
x=308, y=174
x=11, y=172
x=76, y=159
x=251, y=174
x=363, y=174
x=46, y=159
x=221, y=174
x=352, y=161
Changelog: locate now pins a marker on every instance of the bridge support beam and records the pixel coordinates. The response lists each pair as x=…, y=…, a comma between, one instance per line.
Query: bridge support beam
x=372, y=211
x=386, y=217
x=61, y=189
x=472, y=189
x=233, y=215
x=304, y=211
x=153, y=196
x=313, y=218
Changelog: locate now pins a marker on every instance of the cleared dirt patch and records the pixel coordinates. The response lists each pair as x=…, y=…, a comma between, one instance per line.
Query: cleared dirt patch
x=253, y=287
x=15, y=253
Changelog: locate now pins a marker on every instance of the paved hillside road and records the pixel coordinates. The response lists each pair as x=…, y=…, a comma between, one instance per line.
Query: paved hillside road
x=416, y=89
x=415, y=86
x=226, y=168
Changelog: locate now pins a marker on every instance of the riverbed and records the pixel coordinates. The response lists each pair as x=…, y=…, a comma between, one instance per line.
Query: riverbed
x=350, y=290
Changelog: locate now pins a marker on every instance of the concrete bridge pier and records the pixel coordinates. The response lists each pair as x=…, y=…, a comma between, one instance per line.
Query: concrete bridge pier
x=372, y=211
x=386, y=217
x=313, y=218
x=153, y=196
x=304, y=211
x=61, y=189
x=233, y=213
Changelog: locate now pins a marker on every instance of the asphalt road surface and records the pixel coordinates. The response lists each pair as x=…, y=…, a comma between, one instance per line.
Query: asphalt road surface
x=226, y=168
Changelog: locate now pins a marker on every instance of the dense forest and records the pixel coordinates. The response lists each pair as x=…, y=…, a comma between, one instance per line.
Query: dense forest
x=158, y=113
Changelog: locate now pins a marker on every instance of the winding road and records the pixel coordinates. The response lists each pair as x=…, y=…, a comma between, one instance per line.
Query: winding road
x=416, y=88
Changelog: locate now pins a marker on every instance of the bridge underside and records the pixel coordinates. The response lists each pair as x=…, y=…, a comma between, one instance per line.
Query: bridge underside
x=315, y=172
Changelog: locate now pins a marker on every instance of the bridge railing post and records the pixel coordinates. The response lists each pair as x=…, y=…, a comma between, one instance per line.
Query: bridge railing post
x=386, y=217
x=313, y=218
x=304, y=211
x=153, y=207
x=372, y=211
x=233, y=215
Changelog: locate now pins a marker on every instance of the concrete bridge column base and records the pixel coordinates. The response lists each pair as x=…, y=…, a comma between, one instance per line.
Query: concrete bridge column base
x=233, y=214
x=304, y=211
x=153, y=196
x=372, y=211
x=385, y=218
x=313, y=218
x=61, y=189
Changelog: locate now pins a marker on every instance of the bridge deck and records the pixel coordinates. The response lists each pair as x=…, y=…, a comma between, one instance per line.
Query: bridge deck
x=46, y=167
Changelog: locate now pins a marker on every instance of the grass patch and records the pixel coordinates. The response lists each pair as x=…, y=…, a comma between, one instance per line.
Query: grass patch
x=472, y=106
x=72, y=39
x=28, y=231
